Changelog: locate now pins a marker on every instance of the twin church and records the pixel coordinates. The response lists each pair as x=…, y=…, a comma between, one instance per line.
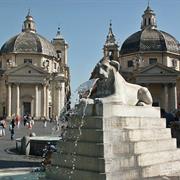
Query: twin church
x=35, y=76
x=149, y=57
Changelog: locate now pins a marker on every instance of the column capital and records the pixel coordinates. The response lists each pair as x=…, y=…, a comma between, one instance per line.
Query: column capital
x=17, y=84
x=8, y=83
x=58, y=86
x=166, y=84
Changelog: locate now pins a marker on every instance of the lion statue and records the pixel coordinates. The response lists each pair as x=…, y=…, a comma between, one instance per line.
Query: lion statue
x=107, y=85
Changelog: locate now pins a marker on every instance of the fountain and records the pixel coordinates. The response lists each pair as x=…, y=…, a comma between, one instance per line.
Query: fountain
x=115, y=134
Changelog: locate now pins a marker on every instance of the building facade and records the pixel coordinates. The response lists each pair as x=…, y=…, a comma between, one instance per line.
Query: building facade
x=34, y=74
x=149, y=57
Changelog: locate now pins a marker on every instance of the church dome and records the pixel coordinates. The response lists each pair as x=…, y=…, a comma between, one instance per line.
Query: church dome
x=28, y=41
x=149, y=38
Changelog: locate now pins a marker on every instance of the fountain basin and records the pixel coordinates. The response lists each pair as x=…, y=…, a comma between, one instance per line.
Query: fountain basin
x=20, y=174
x=35, y=145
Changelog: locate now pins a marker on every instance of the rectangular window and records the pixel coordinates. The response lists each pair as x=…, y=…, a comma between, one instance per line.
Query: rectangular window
x=152, y=60
x=0, y=64
x=174, y=63
x=28, y=61
x=54, y=65
x=130, y=63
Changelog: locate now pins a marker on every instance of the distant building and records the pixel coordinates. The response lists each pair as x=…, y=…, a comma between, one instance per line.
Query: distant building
x=34, y=74
x=149, y=57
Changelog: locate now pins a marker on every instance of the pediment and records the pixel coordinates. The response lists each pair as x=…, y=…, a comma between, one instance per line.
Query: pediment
x=26, y=70
x=158, y=69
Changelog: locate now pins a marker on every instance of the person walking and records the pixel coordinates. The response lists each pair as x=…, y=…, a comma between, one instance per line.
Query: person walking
x=44, y=122
x=3, y=126
x=11, y=128
x=18, y=120
x=25, y=119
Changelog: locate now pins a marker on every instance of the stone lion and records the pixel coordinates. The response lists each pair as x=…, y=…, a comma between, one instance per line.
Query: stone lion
x=110, y=86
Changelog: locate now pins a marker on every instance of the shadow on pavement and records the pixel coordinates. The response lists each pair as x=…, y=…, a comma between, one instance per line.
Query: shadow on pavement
x=16, y=164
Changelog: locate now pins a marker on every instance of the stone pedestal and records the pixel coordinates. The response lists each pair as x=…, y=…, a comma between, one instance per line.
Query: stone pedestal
x=113, y=142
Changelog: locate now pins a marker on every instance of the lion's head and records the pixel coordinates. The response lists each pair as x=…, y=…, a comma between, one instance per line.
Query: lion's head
x=104, y=71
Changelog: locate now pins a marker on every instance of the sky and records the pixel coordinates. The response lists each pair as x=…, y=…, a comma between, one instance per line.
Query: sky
x=84, y=25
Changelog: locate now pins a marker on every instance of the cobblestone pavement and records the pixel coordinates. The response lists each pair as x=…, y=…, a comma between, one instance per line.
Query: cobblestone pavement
x=9, y=158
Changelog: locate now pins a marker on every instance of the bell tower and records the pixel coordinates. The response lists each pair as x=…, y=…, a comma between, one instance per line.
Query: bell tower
x=111, y=47
x=61, y=47
x=62, y=76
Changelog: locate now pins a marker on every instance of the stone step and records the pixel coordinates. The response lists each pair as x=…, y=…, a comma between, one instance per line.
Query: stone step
x=147, y=159
x=149, y=134
x=115, y=164
x=114, y=108
x=154, y=146
x=96, y=122
x=118, y=149
x=91, y=122
x=115, y=136
x=134, y=123
x=79, y=162
x=167, y=168
x=88, y=163
x=62, y=173
x=89, y=135
x=76, y=174
x=82, y=148
x=109, y=110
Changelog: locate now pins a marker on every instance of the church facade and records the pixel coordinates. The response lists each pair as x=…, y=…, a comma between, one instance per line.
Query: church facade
x=34, y=74
x=151, y=58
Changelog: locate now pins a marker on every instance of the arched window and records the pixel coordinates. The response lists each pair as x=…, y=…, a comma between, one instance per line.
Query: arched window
x=111, y=55
x=145, y=22
x=149, y=21
x=59, y=54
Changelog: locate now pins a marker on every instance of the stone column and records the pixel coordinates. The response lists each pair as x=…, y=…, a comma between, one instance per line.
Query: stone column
x=166, y=97
x=58, y=101
x=17, y=100
x=36, y=101
x=62, y=96
x=47, y=101
x=173, y=96
x=44, y=100
x=9, y=100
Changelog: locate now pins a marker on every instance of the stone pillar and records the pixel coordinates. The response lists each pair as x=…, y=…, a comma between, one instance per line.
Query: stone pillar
x=9, y=100
x=58, y=109
x=173, y=96
x=62, y=96
x=44, y=100
x=36, y=101
x=47, y=101
x=166, y=97
x=17, y=100
x=25, y=145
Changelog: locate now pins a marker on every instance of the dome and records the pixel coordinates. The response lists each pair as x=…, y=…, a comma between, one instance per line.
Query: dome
x=150, y=40
x=28, y=42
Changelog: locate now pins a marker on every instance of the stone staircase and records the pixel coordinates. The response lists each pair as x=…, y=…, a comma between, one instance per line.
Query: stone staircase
x=136, y=145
